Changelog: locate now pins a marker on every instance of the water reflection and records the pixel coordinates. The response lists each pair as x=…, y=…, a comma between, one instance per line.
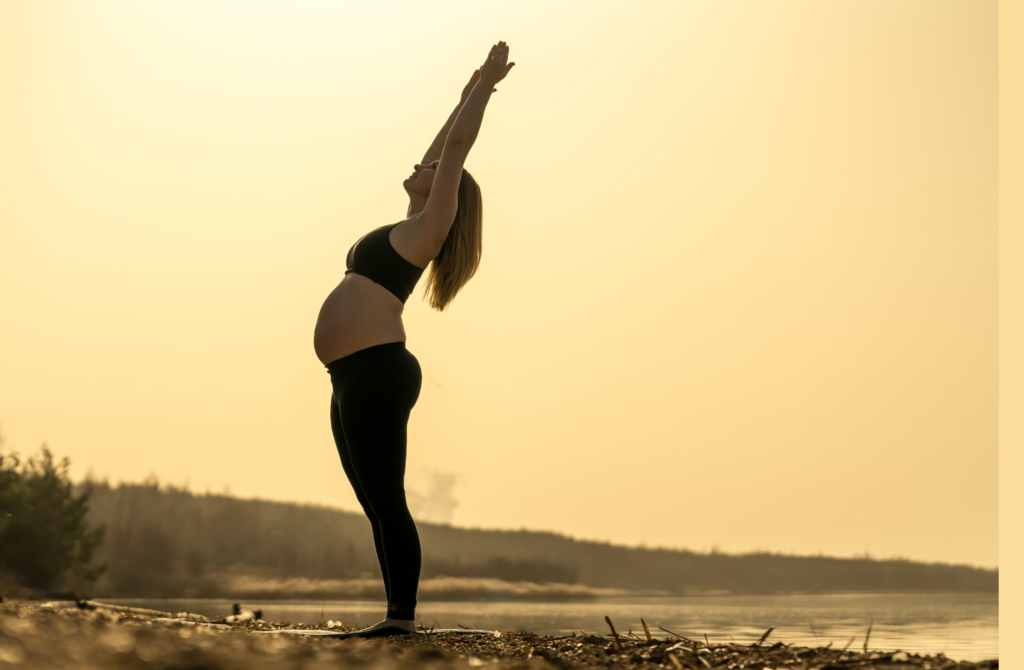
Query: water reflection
x=963, y=627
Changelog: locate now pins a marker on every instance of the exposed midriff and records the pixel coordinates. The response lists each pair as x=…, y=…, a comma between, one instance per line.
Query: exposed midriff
x=358, y=313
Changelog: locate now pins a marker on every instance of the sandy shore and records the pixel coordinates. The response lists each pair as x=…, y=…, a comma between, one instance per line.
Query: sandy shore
x=36, y=636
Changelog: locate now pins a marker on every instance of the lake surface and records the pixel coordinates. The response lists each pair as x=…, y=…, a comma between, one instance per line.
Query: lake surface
x=963, y=627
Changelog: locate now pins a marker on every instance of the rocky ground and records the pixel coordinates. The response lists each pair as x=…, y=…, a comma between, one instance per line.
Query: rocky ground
x=58, y=637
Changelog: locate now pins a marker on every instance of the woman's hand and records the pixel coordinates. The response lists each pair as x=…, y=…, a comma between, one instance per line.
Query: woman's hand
x=469, y=87
x=496, y=66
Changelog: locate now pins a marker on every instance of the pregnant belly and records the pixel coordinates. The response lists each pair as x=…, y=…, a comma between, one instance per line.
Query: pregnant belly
x=359, y=313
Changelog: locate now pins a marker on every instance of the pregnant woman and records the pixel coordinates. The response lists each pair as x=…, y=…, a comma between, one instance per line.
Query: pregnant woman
x=360, y=337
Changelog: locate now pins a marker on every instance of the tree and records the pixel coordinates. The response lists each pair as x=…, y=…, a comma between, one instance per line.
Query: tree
x=45, y=538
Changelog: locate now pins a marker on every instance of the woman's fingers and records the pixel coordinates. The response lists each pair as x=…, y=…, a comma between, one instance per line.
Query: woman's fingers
x=468, y=88
x=499, y=50
x=496, y=66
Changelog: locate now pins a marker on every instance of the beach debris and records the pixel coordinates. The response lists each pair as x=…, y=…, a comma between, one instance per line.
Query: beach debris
x=647, y=631
x=618, y=642
x=671, y=633
x=239, y=615
x=105, y=639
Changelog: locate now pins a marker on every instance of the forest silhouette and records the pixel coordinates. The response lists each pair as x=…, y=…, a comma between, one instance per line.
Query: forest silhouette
x=164, y=541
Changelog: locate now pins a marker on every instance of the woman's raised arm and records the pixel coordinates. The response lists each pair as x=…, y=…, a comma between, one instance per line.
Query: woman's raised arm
x=439, y=211
x=434, y=152
x=467, y=123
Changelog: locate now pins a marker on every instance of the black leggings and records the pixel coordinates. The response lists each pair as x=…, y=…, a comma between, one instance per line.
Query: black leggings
x=374, y=391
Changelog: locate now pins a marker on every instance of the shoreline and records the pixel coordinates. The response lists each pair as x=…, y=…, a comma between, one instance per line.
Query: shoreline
x=539, y=595
x=112, y=637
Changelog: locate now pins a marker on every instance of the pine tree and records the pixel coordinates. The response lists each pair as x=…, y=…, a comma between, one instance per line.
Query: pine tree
x=45, y=539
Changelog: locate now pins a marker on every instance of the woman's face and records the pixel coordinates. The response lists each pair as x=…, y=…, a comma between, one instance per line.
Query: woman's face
x=421, y=179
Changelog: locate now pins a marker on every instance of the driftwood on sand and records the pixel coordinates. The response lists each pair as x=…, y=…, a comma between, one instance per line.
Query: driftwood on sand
x=94, y=636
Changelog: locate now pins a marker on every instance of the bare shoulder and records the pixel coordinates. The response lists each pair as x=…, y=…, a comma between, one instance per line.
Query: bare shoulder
x=415, y=241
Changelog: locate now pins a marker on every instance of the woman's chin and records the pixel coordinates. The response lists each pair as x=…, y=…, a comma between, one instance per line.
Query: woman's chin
x=411, y=189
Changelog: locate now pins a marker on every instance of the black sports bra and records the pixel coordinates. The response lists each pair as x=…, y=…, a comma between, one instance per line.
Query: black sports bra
x=373, y=257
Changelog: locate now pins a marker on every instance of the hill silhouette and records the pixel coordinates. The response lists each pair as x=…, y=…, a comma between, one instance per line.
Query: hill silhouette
x=170, y=542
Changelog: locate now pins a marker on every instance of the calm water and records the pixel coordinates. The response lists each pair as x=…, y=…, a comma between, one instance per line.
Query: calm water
x=963, y=627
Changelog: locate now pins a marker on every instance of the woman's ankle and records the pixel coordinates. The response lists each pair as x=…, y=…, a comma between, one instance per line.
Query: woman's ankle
x=401, y=613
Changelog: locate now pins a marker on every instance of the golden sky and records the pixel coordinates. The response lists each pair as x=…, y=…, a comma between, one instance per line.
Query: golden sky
x=739, y=279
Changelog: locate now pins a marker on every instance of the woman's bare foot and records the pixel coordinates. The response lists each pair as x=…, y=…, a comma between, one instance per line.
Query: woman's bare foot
x=409, y=626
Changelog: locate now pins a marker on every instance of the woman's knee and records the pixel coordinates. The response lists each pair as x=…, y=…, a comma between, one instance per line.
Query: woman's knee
x=391, y=510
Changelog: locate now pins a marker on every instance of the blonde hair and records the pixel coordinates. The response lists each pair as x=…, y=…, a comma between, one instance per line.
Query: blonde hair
x=460, y=254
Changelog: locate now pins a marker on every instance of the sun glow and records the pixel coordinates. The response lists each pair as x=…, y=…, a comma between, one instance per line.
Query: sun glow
x=734, y=252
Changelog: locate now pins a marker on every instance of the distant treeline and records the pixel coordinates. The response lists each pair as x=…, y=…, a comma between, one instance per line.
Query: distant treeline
x=167, y=542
